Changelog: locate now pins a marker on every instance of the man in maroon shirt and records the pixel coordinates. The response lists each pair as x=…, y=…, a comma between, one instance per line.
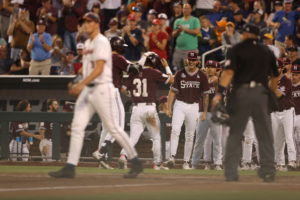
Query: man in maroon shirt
x=283, y=123
x=48, y=12
x=142, y=87
x=296, y=98
x=189, y=84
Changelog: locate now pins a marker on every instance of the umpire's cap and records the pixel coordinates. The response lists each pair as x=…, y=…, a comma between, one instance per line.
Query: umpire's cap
x=295, y=68
x=90, y=16
x=251, y=28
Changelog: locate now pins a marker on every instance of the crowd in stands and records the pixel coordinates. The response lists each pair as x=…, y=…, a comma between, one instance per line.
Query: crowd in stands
x=47, y=36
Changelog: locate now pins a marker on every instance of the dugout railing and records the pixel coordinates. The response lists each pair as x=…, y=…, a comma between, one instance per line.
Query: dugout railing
x=57, y=119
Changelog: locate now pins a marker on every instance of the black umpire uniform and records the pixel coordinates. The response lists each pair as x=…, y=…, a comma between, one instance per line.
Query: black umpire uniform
x=250, y=63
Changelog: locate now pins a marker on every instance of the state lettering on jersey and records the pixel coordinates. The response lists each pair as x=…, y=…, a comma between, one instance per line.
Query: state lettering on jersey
x=282, y=89
x=212, y=90
x=296, y=94
x=189, y=84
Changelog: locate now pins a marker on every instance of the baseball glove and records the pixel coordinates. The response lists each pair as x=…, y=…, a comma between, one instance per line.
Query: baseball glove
x=219, y=114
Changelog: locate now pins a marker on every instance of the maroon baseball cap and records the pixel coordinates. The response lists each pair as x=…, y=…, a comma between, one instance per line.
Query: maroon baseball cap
x=295, y=68
x=283, y=61
x=192, y=55
x=212, y=64
x=90, y=16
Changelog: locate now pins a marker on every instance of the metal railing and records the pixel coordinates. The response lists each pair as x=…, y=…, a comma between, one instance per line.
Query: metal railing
x=57, y=119
x=223, y=48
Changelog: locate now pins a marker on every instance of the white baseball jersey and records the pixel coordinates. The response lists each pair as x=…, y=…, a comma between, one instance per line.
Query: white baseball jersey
x=98, y=49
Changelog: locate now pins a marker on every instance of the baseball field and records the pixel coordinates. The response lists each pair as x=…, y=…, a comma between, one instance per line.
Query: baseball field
x=32, y=182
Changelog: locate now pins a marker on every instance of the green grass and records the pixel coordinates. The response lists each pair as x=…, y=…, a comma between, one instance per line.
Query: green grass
x=91, y=170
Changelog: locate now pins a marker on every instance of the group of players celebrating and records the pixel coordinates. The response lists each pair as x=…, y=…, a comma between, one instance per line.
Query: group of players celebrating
x=189, y=102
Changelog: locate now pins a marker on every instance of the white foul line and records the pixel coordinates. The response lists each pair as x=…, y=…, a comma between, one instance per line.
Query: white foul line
x=80, y=187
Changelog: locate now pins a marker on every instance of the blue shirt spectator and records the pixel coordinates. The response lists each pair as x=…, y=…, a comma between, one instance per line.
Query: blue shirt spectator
x=287, y=22
x=38, y=52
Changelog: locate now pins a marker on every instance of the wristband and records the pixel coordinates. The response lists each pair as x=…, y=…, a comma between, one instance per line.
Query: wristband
x=168, y=70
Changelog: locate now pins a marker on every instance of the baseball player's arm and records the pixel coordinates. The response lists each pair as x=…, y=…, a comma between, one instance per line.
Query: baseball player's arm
x=224, y=82
x=205, y=106
x=27, y=134
x=98, y=69
x=170, y=101
x=273, y=86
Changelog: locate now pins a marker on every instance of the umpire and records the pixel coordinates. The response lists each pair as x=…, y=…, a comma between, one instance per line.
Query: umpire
x=248, y=66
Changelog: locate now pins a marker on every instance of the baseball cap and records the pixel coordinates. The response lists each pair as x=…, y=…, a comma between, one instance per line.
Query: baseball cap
x=163, y=99
x=152, y=12
x=288, y=1
x=192, y=55
x=80, y=46
x=268, y=36
x=90, y=16
x=162, y=16
x=251, y=28
x=283, y=61
x=277, y=3
x=212, y=64
x=96, y=5
x=131, y=17
x=293, y=48
x=156, y=22
x=295, y=68
x=137, y=9
x=42, y=21
x=113, y=22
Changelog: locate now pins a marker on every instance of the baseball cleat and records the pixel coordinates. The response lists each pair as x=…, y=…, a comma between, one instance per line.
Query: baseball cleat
x=104, y=165
x=63, y=173
x=135, y=170
x=218, y=168
x=292, y=166
x=171, y=162
x=281, y=168
x=186, y=166
x=122, y=162
x=97, y=155
x=160, y=167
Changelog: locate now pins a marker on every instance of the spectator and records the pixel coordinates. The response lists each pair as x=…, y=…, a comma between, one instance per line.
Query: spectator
x=113, y=30
x=220, y=28
x=230, y=36
x=257, y=20
x=39, y=45
x=5, y=12
x=158, y=40
x=3, y=42
x=46, y=130
x=292, y=54
x=68, y=68
x=177, y=10
x=258, y=7
x=48, y=12
x=96, y=8
x=289, y=41
x=5, y=61
x=216, y=14
x=133, y=38
x=81, y=35
x=58, y=57
x=163, y=6
x=19, y=145
x=269, y=41
x=72, y=12
x=284, y=21
x=19, y=30
x=186, y=30
x=110, y=9
x=207, y=38
x=77, y=63
x=140, y=23
x=21, y=66
x=235, y=6
x=203, y=7
x=239, y=21
x=164, y=23
x=150, y=17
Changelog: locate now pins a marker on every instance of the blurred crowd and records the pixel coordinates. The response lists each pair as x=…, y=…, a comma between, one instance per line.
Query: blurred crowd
x=47, y=36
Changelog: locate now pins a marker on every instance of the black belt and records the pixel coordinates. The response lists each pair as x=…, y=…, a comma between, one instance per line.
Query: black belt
x=147, y=104
x=91, y=85
x=252, y=84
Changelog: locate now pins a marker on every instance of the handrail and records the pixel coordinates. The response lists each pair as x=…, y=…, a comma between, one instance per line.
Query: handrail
x=223, y=47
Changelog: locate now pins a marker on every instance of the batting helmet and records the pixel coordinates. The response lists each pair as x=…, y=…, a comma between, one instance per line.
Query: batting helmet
x=150, y=59
x=118, y=44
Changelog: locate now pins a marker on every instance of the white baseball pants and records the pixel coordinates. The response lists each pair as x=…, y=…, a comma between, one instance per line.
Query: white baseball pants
x=45, y=147
x=297, y=136
x=99, y=99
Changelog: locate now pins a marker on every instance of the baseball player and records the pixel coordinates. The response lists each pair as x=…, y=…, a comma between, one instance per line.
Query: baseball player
x=189, y=84
x=207, y=126
x=46, y=129
x=119, y=65
x=296, y=97
x=96, y=93
x=19, y=144
x=142, y=87
x=283, y=123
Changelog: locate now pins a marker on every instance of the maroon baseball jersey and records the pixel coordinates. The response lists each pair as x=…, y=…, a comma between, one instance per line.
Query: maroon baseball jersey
x=189, y=87
x=119, y=66
x=211, y=92
x=143, y=85
x=48, y=126
x=296, y=97
x=286, y=101
x=17, y=127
